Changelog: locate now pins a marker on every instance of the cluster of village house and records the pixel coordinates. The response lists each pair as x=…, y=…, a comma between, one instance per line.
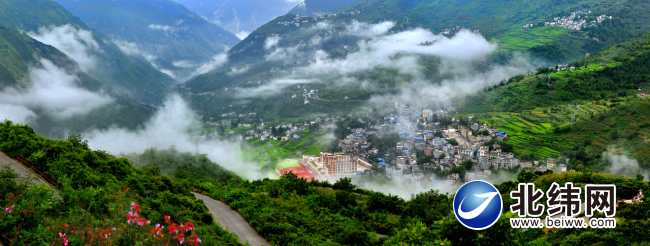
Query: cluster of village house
x=574, y=21
x=451, y=31
x=306, y=19
x=356, y=152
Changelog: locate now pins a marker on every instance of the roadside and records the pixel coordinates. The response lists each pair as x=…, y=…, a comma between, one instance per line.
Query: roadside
x=20, y=169
x=232, y=221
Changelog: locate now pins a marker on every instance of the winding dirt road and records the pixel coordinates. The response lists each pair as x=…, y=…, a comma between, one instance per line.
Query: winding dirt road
x=232, y=221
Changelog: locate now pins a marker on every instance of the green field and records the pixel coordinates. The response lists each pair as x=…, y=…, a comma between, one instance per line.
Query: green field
x=270, y=153
x=288, y=163
x=531, y=132
x=524, y=38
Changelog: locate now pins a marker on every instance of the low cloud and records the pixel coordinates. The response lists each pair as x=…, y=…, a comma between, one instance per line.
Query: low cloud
x=623, y=165
x=131, y=49
x=271, y=41
x=216, y=62
x=78, y=44
x=168, y=128
x=237, y=71
x=382, y=52
x=456, y=58
x=283, y=54
x=183, y=64
x=273, y=87
x=242, y=34
x=16, y=113
x=53, y=92
x=358, y=28
x=161, y=27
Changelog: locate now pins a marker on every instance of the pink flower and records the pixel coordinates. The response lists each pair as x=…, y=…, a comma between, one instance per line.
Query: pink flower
x=168, y=219
x=194, y=239
x=188, y=227
x=114, y=229
x=65, y=226
x=180, y=238
x=10, y=209
x=61, y=234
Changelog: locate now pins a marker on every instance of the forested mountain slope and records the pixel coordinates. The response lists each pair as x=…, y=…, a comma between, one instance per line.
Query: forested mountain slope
x=127, y=75
x=618, y=71
x=283, y=47
x=32, y=75
x=161, y=28
x=240, y=17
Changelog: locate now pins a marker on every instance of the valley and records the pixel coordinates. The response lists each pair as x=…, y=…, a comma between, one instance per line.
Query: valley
x=346, y=122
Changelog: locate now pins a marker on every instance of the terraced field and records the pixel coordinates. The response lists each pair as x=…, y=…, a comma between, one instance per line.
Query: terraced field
x=532, y=131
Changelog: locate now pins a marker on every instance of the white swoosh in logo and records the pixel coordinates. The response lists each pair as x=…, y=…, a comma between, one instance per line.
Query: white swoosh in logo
x=477, y=211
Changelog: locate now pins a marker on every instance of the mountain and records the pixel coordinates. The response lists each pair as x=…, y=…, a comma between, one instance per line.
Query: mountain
x=321, y=7
x=160, y=28
x=240, y=17
x=33, y=77
x=97, y=55
x=618, y=71
x=272, y=62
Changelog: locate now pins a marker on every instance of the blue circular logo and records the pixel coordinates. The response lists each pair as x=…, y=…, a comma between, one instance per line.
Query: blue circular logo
x=478, y=205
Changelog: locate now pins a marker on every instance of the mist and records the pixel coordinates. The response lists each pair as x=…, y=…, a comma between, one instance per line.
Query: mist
x=169, y=127
x=623, y=165
x=216, y=62
x=53, y=91
x=403, y=51
x=78, y=44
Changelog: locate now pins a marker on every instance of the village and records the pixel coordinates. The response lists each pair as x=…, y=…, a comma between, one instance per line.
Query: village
x=575, y=21
x=428, y=147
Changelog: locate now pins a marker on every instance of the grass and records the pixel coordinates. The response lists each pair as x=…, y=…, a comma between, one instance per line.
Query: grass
x=270, y=153
x=288, y=163
x=524, y=38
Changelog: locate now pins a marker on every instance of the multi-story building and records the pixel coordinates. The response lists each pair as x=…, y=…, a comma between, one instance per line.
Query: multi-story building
x=426, y=113
x=337, y=164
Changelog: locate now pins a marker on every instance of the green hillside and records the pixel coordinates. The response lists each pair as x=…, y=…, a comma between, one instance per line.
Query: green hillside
x=129, y=76
x=606, y=75
x=187, y=35
x=610, y=116
x=99, y=190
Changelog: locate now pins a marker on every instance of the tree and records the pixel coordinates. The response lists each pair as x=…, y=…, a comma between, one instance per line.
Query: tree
x=452, y=141
x=344, y=184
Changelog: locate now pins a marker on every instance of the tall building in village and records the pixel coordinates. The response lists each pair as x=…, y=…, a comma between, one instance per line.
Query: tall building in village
x=426, y=113
x=338, y=164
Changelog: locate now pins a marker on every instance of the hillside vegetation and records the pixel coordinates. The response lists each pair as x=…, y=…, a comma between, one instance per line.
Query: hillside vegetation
x=98, y=190
x=610, y=117
x=609, y=74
